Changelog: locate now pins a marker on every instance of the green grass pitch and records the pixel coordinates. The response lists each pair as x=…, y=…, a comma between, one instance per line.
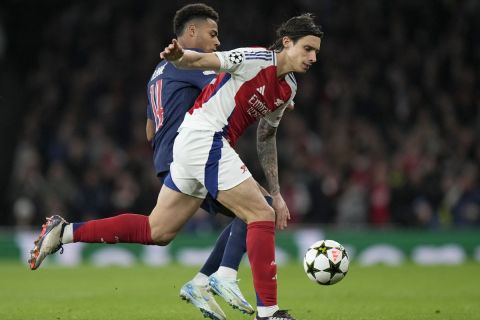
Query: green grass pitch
x=141, y=292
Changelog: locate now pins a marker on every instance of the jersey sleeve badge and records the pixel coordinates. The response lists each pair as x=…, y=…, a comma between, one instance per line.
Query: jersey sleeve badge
x=235, y=57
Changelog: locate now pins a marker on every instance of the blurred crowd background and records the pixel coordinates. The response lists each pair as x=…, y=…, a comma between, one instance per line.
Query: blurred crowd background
x=385, y=131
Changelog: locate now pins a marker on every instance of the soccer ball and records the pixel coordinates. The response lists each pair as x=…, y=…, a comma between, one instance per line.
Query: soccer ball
x=326, y=262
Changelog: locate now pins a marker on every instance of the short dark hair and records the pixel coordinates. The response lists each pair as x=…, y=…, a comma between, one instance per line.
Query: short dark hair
x=190, y=12
x=296, y=28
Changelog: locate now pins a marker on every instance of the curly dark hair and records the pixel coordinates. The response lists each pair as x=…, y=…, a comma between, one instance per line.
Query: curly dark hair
x=190, y=12
x=296, y=28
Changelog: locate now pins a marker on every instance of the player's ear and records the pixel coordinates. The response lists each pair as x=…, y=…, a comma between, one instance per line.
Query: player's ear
x=287, y=42
x=190, y=30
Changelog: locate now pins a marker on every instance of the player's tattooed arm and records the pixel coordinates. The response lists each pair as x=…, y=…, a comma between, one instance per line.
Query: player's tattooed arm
x=267, y=153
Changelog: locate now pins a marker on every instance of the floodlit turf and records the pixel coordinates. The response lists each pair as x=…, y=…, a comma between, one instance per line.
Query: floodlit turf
x=407, y=292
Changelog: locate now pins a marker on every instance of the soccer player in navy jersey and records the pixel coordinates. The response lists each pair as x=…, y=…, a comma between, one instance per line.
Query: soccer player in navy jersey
x=171, y=93
x=253, y=84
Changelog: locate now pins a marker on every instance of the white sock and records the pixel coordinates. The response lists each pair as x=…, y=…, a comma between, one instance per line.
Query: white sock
x=267, y=311
x=200, y=279
x=67, y=234
x=227, y=273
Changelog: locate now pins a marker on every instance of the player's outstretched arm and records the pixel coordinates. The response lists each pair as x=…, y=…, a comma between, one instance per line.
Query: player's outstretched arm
x=267, y=154
x=188, y=59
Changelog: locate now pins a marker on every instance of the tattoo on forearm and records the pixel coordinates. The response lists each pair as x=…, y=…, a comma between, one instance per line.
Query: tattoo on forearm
x=267, y=154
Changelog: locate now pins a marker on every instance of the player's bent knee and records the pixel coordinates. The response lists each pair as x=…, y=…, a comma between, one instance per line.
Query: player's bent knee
x=161, y=238
x=266, y=214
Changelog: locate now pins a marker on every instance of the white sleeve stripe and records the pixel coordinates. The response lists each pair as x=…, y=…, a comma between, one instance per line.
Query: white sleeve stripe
x=266, y=54
x=258, y=58
x=259, y=52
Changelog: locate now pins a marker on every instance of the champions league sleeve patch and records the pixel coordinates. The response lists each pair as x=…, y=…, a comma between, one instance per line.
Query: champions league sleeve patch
x=235, y=57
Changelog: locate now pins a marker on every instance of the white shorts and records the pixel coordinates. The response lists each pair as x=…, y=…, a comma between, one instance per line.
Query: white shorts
x=204, y=162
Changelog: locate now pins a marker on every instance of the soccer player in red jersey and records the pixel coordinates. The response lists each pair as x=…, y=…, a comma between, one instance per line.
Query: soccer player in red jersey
x=253, y=84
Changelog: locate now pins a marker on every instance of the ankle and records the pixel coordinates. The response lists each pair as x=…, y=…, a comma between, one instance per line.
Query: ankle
x=267, y=311
x=227, y=273
x=67, y=236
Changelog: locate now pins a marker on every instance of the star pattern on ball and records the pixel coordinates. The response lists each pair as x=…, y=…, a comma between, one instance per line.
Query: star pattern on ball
x=322, y=249
x=235, y=57
x=311, y=268
x=333, y=269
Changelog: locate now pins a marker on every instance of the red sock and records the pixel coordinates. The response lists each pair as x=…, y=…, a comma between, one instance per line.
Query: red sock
x=125, y=228
x=261, y=253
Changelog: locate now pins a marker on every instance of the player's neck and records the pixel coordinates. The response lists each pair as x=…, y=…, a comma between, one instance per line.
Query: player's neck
x=283, y=67
x=185, y=43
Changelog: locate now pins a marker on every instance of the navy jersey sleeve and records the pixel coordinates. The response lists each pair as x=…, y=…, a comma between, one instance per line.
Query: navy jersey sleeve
x=199, y=78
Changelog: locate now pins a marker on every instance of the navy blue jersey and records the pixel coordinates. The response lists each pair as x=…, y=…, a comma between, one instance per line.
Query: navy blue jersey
x=171, y=92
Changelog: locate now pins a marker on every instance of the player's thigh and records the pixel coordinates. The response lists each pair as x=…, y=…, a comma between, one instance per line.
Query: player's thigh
x=213, y=206
x=263, y=190
x=247, y=201
x=172, y=211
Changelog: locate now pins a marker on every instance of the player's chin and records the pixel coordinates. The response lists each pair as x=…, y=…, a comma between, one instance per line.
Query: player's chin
x=303, y=68
x=307, y=66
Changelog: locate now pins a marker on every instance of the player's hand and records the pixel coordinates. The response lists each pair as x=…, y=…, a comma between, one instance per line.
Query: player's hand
x=173, y=52
x=282, y=215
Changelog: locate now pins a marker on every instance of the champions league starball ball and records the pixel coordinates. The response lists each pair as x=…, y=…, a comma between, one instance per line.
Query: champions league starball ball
x=326, y=262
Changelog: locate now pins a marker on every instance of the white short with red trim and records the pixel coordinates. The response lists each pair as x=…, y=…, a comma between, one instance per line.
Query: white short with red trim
x=204, y=162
